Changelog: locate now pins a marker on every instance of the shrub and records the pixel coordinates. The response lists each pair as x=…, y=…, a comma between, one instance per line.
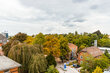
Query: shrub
x=51, y=60
x=52, y=69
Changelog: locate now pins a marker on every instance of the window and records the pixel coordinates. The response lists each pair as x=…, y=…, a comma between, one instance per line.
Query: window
x=81, y=57
x=81, y=62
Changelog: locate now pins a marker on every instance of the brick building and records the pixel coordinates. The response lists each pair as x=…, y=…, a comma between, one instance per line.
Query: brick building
x=7, y=65
x=93, y=51
x=73, y=50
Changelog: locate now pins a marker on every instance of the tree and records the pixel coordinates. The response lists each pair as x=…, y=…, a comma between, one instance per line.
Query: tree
x=70, y=37
x=20, y=37
x=52, y=69
x=99, y=34
x=29, y=40
x=81, y=47
x=64, y=47
x=104, y=42
x=76, y=33
x=39, y=39
x=37, y=64
x=6, y=47
x=107, y=54
x=51, y=60
x=88, y=64
x=103, y=62
x=93, y=37
x=26, y=54
x=97, y=70
x=52, y=45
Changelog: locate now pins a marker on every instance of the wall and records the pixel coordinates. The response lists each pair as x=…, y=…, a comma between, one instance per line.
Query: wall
x=14, y=70
x=1, y=72
x=83, y=56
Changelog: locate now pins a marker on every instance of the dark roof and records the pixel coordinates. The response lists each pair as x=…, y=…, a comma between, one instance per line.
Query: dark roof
x=7, y=63
x=94, y=51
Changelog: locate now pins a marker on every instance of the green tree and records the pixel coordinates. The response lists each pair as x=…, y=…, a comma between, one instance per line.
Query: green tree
x=6, y=47
x=104, y=42
x=88, y=64
x=81, y=47
x=97, y=70
x=107, y=54
x=51, y=60
x=37, y=64
x=24, y=54
x=64, y=47
x=39, y=39
x=20, y=37
x=103, y=62
x=91, y=63
x=70, y=37
x=52, y=69
x=99, y=34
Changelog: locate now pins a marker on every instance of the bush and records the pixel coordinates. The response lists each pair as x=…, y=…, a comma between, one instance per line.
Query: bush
x=51, y=60
x=52, y=69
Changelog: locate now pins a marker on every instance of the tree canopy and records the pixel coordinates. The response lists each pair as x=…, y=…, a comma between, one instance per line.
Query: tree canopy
x=26, y=54
x=97, y=70
x=52, y=45
x=20, y=37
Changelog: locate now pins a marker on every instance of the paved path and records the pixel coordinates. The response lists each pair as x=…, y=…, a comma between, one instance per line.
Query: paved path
x=69, y=69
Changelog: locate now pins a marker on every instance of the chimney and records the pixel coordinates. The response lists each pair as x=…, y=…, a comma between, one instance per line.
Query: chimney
x=95, y=43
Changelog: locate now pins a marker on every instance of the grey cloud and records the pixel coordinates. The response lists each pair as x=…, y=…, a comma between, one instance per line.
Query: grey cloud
x=94, y=7
x=79, y=20
x=79, y=1
x=49, y=29
x=70, y=25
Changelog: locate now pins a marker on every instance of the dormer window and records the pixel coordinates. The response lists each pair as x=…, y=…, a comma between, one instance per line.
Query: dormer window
x=81, y=57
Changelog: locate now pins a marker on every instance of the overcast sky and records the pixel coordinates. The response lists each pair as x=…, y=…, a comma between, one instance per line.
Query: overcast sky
x=54, y=16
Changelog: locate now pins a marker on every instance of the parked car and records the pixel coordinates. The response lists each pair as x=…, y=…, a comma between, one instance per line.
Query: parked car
x=76, y=66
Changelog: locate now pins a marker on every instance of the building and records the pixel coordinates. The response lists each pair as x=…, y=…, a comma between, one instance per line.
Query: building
x=73, y=50
x=109, y=36
x=3, y=39
x=104, y=48
x=93, y=51
x=7, y=65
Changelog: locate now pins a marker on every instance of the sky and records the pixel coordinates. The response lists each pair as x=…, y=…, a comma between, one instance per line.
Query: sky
x=54, y=16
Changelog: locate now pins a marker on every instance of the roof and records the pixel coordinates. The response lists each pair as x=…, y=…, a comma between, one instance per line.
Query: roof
x=72, y=46
x=7, y=63
x=104, y=48
x=94, y=51
x=2, y=37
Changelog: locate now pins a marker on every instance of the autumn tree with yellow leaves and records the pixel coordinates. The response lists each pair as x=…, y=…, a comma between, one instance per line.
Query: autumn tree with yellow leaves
x=97, y=70
x=52, y=45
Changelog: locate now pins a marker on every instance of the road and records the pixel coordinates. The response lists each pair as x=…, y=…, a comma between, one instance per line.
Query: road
x=69, y=69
